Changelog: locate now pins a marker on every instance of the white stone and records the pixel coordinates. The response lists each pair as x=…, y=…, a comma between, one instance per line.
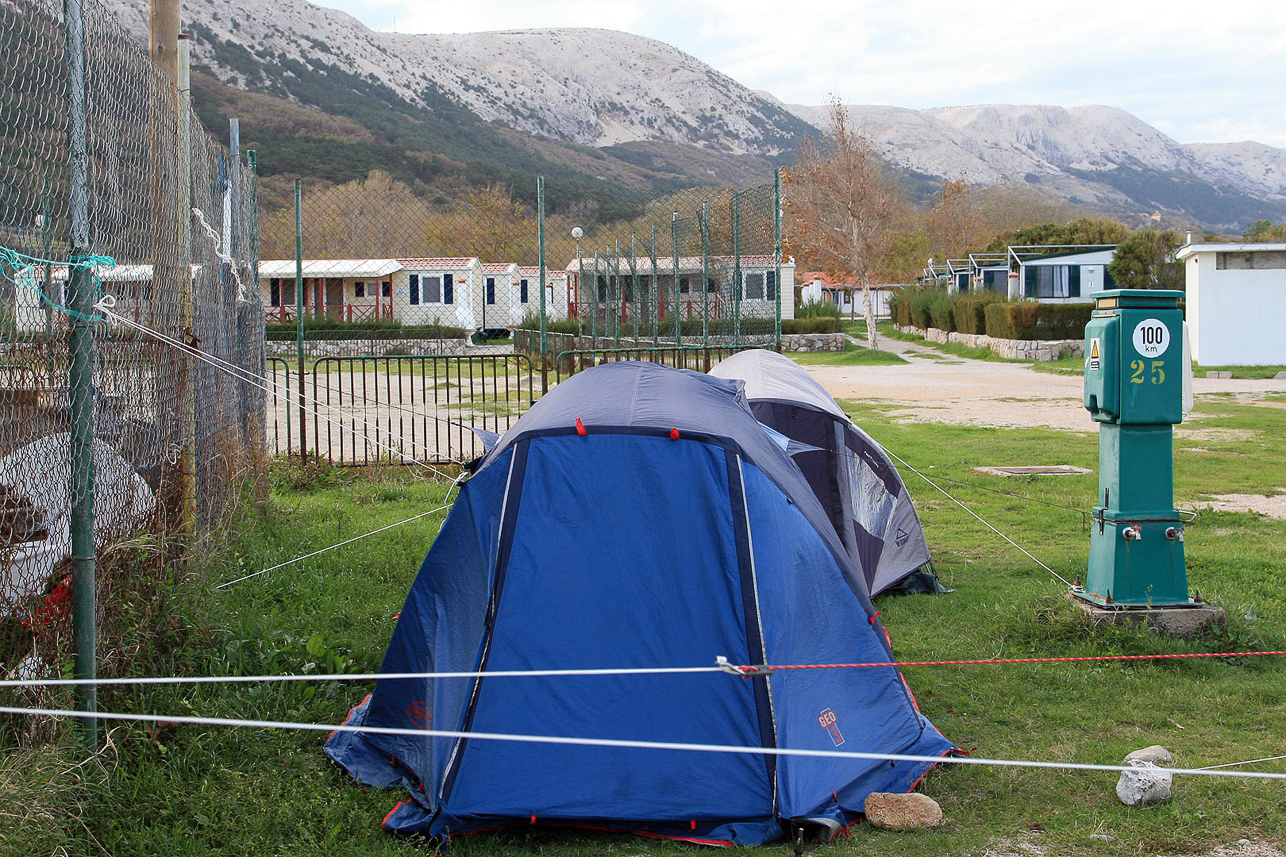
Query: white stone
x=1156, y=754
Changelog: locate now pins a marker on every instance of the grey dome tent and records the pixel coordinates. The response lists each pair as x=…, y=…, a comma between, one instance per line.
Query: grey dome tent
x=850, y=473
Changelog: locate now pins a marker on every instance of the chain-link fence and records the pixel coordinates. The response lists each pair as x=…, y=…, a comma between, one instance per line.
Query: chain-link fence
x=127, y=240
x=363, y=279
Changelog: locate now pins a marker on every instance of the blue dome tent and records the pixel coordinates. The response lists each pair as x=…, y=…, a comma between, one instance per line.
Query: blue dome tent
x=637, y=517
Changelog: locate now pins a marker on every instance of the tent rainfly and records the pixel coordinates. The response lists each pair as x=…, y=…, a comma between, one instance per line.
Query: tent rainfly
x=858, y=486
x=637, y=517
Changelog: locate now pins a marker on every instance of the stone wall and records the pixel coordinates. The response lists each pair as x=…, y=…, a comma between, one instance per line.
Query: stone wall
x=528, y=342
x=367, y=347
x=1011, y=349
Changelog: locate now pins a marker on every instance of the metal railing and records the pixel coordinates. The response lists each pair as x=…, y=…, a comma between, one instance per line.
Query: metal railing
x=371, y=410
x=695, y=357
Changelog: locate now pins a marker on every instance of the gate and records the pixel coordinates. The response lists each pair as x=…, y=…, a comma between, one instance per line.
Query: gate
x=380, y=410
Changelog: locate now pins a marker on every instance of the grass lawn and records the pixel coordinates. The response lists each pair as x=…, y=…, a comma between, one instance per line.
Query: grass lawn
x=852, y=355
x=190, y=790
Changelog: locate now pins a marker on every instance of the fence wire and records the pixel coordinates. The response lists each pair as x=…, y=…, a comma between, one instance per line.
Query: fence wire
x=363, y=279
x=172, y=442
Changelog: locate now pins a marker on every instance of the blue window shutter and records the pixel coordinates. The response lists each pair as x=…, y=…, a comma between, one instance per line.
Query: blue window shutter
x=448, y=288
x=1029, y=281
x=415, y=288
x=491, y=290
x=522, y=293
x=771, y=291
x=1074, y=281
x=274, y=288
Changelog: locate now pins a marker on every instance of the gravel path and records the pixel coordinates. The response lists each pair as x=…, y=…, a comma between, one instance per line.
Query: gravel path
x=937, y=387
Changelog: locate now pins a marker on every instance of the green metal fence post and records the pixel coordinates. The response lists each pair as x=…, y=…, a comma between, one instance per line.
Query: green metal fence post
x=299, y=315
x=615, y=291
x=634, y=282
x=705, y=276
x=776, y=254
x=736, y=270
x=540, y=240
x=593, y=318
x=80, y=381
x=678, y=306
x=656, y=295
x=252, y=158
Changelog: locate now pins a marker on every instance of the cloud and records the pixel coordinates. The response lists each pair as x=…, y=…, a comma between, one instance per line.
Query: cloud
x=1184, y=68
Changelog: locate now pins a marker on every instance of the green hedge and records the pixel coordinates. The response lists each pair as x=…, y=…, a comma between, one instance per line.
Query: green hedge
x=969, y=312
x=1031, y=320
x=921, y=302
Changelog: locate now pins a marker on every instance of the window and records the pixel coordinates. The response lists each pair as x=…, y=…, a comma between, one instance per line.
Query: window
x=522, y=291
x=711, y=285
x=431, y=288
x=1052, y=281
x=1260, y=261
x=274, y=292
x=386, y=289
x=602, y=289
x=359, y=289
x=685, y=286
x=754, y=286
x=771, y=279
x=448, y=290
x=427, y=289
x=491, y=290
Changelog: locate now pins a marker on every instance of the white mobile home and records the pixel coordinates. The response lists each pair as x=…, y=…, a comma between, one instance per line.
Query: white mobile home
x=1236, y=302
x=639, y=290
x=439, y=290
x=1059, y=274
x=347, y=289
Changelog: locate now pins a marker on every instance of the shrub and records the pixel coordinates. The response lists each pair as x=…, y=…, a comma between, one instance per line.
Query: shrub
x=970, y=312
x=1030, y=320
x=941, y=306
x=921, y=300
x=816, y=324
x=900, y=307
x=817, y=309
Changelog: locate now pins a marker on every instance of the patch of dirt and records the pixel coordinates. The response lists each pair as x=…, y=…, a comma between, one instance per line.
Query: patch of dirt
x=1216, y=435
x=1273, y=506
x=948, y=389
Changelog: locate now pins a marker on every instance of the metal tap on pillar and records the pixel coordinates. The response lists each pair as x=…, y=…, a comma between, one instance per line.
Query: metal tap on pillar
x=1134, y=374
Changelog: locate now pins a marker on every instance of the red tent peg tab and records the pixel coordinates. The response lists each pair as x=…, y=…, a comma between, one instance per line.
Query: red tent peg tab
x=580, y=428
x=674, y=434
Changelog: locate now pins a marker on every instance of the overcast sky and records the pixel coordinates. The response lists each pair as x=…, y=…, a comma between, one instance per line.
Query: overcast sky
x=1200, y=72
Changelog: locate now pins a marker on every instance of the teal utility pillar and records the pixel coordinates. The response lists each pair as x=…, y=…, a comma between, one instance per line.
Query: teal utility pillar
x=1134, y=375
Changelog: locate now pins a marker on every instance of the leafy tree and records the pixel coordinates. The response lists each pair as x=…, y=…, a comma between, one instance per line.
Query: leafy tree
x=1078, y=232
x=1145, y=260
x=1264, y=230
x=840, y=203
x=955, y=224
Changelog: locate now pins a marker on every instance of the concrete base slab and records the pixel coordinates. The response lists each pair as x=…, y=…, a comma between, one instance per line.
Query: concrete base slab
x=1174, y=621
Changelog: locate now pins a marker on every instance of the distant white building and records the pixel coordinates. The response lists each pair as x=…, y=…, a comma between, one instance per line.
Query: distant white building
x=1236, y=302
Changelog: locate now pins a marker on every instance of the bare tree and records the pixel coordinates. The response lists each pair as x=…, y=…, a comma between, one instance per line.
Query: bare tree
x=839, y=202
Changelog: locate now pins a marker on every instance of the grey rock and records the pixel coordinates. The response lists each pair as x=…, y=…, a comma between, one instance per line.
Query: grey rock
x=1143, y=783
x=912, y=811
x=1156, y=754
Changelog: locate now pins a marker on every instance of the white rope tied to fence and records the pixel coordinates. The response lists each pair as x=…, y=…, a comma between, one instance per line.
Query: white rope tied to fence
x=623, y=743
x=223, y=256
